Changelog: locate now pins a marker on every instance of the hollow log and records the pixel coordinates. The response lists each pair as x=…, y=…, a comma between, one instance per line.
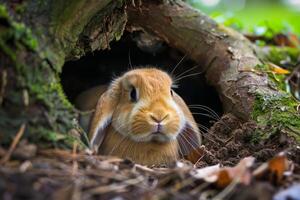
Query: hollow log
x=228, y=59
x=37, y=37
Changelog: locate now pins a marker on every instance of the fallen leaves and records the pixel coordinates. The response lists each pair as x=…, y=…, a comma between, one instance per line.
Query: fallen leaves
x=273, y=171
x=63, y=174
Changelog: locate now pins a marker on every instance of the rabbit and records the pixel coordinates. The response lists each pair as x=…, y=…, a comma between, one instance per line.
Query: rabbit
x=140, y=117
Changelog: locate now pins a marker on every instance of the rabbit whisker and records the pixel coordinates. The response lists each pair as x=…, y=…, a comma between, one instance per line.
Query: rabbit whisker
x=211, y=111
x=204, y=114
x=117, y=145
x=180, y=61
x=193, y=147
x=180, y=151
x=186, y=144
x=188, y=70
x=206, y=108
x=189, y=75
x=129, y=60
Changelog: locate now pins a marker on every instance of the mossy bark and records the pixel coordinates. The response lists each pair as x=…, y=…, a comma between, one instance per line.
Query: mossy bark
x=37, y=37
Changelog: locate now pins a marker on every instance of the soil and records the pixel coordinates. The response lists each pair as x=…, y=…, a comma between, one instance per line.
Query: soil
x=36, y=173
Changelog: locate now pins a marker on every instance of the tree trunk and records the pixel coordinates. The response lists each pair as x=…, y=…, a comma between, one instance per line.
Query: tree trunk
x=32, y=53
x=32, y=56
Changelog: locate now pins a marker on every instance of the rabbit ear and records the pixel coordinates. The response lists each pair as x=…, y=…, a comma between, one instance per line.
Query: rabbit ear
x=103, y=115
x=189, y=138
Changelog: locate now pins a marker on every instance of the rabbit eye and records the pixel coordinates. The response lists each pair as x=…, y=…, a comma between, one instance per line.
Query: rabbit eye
x=133, y=94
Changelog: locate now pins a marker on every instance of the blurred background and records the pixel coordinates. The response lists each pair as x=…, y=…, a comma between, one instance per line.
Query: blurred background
x=273, y=25
x=254, y=16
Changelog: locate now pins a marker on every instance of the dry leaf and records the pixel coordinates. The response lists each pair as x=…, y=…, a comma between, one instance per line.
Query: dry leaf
x=275, y=169
x=209, y=174
x=290, y=40
x=222, y=177
x=240, y=173
x=277, y=70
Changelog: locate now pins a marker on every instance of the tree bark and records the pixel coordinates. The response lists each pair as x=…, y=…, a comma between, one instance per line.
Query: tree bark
x=37, y=37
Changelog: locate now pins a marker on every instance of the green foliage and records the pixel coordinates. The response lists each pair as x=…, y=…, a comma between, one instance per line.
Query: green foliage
x=279, y=55
x=260, y=18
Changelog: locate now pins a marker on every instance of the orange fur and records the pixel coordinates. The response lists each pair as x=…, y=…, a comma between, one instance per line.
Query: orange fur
x=145, y=153
x=127, y=129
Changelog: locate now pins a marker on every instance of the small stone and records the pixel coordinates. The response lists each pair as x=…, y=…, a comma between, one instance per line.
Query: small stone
x=25, y=151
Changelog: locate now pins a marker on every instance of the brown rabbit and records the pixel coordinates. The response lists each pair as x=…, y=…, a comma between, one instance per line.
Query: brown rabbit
x=141, y=118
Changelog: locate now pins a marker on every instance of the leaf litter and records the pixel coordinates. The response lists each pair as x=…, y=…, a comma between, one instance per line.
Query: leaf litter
x=228, y=166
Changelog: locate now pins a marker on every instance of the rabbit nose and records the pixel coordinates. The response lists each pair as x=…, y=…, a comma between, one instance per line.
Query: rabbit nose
x=158, y=128
x=158, y=119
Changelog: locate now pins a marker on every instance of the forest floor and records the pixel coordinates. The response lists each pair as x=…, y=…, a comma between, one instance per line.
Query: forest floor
x=30, y=172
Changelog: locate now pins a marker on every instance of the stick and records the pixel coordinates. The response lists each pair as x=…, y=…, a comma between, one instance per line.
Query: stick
x=13, y=144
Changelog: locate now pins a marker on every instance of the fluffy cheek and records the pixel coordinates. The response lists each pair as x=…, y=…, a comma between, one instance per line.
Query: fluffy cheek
x=177, y=121
x=172, y=127
x=140, y=126
x=121, y=120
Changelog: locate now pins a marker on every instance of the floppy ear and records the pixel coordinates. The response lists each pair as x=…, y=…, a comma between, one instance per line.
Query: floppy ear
x=190, y=137
x=103, y=115
x=188, y=140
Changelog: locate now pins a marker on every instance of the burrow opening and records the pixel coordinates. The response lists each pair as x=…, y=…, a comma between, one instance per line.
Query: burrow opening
x=100, y=67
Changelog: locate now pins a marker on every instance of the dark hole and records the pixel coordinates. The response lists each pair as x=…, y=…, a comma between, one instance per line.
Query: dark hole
x=101, y=67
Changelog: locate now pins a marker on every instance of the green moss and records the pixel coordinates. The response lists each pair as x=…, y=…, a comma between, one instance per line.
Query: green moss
x=258, y=136
x=278, y=112
x=48, y=114
x=276, y=80
x=24, y=35
x=56, y=86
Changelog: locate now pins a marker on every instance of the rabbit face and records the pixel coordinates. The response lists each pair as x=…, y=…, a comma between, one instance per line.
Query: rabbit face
x=146, y=110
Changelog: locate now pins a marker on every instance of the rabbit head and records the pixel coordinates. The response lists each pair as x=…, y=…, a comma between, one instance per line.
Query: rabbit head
x=142, y=106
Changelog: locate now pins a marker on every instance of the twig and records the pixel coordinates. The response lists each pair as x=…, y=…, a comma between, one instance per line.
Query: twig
x=74, y=156
x=13, y=144
x=117, y=187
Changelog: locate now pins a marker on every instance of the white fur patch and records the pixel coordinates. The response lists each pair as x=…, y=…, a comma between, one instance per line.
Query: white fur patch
x=100, y=127
x=182, y=119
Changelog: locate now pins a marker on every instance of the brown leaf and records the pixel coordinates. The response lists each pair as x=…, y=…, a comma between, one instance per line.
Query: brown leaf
x=222, y=177
x=274, y=169
x=240, y=173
